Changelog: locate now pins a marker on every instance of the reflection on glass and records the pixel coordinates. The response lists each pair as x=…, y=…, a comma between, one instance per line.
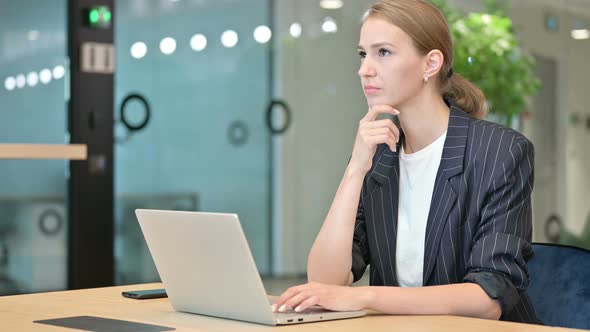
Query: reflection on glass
x=184, y=154
x=10, y=83
x=33, y=194
x=32, y=79
x=198, y=42
x=58, y=72
x=20, y=81
x=329, y=25
x=45, y=76
x=262, y=34
x=138, y=50
x=229, y=38
x=295, y=30
x=168, y=45
x=33, y=35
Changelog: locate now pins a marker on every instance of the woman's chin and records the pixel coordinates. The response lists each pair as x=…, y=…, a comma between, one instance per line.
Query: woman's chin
x=380, y=100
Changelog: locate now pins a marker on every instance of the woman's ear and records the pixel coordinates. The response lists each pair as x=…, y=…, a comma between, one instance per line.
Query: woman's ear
x=434, y=61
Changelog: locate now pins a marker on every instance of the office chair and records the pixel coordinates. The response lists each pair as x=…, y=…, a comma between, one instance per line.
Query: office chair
x=560, y=285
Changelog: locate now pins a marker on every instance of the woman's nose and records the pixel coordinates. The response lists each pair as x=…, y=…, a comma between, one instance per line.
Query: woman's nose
x=366, y=69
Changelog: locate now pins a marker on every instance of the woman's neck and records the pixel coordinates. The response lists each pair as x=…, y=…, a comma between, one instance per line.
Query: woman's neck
x=423, y=119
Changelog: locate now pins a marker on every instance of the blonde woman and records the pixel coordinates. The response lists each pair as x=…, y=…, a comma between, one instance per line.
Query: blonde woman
x=441, y=209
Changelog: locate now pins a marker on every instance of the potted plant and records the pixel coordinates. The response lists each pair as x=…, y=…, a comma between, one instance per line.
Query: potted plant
x=488, y=54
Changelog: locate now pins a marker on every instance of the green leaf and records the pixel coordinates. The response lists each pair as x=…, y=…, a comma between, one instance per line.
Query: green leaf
x=487, y=53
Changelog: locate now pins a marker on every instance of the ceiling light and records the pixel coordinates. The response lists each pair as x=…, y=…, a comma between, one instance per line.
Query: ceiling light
x=229, y=38
x=58, y=72
x=45, y=76
x=138, y=50
x=580, y=34
x=10, y=83
x=331, y=4
x=295, y=30
x=168, y=45
x=329, y=25
x=262, y=34
x=32, y=79
x=198, y=42
x=20, y=81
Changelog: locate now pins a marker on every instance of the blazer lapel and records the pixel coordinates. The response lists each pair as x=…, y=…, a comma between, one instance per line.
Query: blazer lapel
x=384, y=192
x=444, y=195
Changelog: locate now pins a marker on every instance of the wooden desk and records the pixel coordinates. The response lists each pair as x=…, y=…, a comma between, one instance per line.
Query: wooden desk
x=17, y=313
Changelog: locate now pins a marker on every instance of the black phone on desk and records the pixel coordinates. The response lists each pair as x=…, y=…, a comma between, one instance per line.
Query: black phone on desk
x=145, y=294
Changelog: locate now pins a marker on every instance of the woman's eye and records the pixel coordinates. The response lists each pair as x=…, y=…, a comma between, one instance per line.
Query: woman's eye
x=362, y=54
x=384, y=52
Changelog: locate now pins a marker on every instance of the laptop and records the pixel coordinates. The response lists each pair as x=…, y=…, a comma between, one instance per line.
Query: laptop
x=207, y=268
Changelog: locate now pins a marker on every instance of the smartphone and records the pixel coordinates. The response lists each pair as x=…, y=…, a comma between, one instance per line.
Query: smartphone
x=145, y=294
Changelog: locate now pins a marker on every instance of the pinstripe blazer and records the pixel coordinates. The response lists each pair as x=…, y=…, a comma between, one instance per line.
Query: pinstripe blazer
x=479, y=225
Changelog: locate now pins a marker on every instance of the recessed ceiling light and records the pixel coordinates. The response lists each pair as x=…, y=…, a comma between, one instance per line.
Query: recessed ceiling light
x=45, y=76
x=295, y=30
x=329, y=25
x=168, y=45
x=229, y=38
x=32, y=78
x=198, y=42
x=20, y=81
x=580, y=34
x=331, y=4
x=10, y=83
x=262, y=34
x=138, y=50
x=58, y=72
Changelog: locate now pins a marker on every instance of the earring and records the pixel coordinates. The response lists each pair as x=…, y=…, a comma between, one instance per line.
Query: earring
x=425, y=79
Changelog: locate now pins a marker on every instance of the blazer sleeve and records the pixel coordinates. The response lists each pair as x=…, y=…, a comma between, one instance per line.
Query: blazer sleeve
x=360, y=245
x=497, y=261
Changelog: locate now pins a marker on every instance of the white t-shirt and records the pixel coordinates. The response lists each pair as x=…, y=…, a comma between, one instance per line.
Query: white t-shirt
x=416, y=184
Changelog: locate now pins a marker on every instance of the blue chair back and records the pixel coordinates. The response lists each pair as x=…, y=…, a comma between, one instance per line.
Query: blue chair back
x=560, y=285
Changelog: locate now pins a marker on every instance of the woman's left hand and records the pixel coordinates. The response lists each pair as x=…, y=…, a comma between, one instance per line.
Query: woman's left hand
x=331, y=297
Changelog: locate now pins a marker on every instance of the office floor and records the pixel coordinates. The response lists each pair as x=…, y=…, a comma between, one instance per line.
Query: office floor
x=277, y=285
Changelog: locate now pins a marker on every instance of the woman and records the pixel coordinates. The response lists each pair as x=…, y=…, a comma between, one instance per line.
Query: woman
x=444, y=204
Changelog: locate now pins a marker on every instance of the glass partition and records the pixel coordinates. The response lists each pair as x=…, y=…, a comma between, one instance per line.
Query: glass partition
x=201, y=67
x=33, y=210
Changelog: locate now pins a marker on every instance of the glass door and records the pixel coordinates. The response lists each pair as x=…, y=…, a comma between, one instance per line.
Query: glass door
x=33, y=193
x=191, y=89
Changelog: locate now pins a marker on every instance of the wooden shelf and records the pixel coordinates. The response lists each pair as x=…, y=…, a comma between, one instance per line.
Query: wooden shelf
x=43, y=151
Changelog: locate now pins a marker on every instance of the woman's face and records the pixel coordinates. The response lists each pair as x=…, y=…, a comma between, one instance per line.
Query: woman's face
x=391, y=69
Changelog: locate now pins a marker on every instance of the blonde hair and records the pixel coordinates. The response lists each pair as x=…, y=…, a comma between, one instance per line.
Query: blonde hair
x=429, y=30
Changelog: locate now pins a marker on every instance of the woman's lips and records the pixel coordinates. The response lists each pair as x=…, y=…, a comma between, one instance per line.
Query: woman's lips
x=371, y=90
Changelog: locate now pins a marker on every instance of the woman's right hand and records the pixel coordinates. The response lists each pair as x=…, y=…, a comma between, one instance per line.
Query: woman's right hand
x=371, y=133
